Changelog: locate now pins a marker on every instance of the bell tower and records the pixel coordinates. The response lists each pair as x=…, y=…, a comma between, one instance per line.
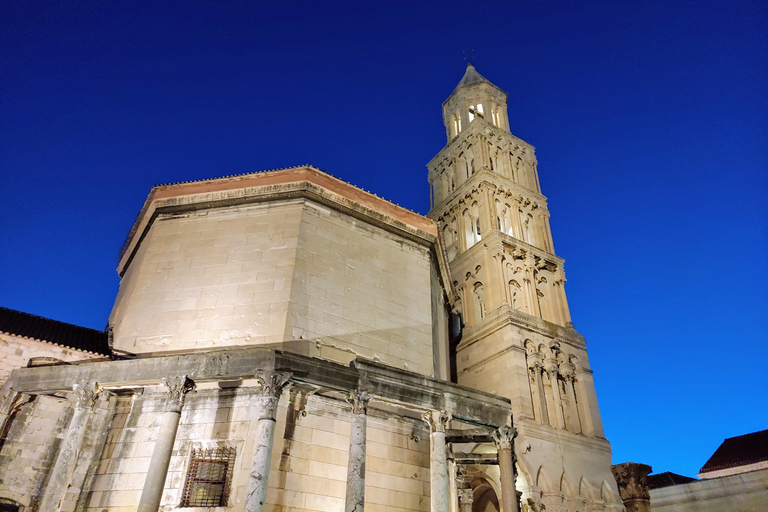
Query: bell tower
x=518, y=340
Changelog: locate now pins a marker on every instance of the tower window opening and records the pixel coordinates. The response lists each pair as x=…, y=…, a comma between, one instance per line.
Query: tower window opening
x=471, y=113
x=455, y=125
x=480, y=112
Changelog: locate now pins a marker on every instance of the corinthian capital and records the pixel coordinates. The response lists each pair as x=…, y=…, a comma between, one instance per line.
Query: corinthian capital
x=178, y=387
x=85, y=394
x=437, y=420
x=503, y=437
x=272, y=383
x=359, y=401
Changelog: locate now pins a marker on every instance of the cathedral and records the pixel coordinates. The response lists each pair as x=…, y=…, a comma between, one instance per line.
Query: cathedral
x=285, y=341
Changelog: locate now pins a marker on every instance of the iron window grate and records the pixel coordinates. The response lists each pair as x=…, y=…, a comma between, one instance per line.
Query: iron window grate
x=209, y=477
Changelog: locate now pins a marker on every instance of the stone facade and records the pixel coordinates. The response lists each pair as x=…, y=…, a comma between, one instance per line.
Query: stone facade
x=284, y=341
x=519, y=341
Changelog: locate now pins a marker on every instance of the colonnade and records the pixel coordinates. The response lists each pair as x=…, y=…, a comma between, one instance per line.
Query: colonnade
x=84, y=396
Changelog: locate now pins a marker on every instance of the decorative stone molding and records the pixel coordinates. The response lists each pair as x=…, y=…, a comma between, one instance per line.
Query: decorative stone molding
x=178, y=387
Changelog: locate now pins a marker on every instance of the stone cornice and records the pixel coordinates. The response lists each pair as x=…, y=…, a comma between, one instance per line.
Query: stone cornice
x=307, y=183
x=506, y=316
x=481, y=128
x=491, y=179
x=383, y=383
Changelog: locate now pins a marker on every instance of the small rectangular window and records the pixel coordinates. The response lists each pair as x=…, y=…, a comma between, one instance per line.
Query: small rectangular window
x=209, y=477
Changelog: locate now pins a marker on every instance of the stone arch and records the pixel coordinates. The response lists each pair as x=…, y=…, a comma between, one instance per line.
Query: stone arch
x=607, y=493
x=484, y=497
x=515, y=295
x=544, y=482
x=585, y=489
x=566, y=486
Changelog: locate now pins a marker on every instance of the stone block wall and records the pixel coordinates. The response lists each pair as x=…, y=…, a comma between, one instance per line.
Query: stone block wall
x=360, y=291
x=309, y=458
x=324, y=283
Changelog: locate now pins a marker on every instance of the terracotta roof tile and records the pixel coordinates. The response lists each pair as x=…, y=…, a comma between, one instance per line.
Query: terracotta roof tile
x=739, y=451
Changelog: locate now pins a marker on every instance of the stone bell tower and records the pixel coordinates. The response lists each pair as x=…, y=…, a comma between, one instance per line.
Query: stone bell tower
x=518, y=340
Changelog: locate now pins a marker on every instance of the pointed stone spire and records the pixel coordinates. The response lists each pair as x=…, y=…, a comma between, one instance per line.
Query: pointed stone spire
x=471, y=76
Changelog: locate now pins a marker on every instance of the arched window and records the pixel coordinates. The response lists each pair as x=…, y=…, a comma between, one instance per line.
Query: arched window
x=478, y=302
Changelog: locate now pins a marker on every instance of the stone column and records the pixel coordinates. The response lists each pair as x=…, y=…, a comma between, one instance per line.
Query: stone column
x=633, y=487
x=465, y=500
x=152, y=493
x=272, y=385
x=355, y=498
x=438, y=463
x=84, y=395
x=10, y=403
x=504, y=438
x=552, y=371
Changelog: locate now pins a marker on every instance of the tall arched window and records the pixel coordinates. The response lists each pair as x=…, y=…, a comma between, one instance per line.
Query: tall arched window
x=478, y=302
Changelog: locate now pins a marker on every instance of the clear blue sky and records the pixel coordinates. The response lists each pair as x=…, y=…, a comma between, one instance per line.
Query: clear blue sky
x=650, y=121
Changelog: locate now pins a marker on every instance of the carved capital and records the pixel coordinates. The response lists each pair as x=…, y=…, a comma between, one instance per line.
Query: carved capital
x=178, y=387
x=272, y=383
x=359, y=401
x=503, y=437
x=85, y=394
x=437, y=420
x=465, y=496
x=631, y=480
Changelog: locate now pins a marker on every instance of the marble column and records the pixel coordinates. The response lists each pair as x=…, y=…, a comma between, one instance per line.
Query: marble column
x=152, y=493
x=84, y=395
x=504, y=438
x=355, y=497
x=438, y=462
x=465, y=500
x=272, y=384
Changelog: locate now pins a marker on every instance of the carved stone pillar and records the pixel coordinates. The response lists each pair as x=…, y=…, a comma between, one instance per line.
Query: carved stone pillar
x=438, y=464
x=552, y=372
x=573, y=408
x=152, y=493
x=84, y=395
x=465, y=500
x=535, y=363
x=504, y=440
x=10, y=403
x=272, y=385
x=355, y=498
x=633, y=487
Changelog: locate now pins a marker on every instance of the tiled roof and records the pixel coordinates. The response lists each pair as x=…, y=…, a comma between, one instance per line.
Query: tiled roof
x=667, y=479
x=53, y=331
x=739, y=451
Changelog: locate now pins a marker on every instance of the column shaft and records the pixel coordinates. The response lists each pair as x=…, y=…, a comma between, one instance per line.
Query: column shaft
x=66, y=460
x=355, y=497
x=154, y=483
x=272, y=385
x=503, y=438
x=438, y=462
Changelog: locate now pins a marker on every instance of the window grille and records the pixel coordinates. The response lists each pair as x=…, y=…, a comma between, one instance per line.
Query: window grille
x=209, y=477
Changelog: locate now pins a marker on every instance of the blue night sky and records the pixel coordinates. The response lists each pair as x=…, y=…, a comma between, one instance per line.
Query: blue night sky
x=650, y=121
